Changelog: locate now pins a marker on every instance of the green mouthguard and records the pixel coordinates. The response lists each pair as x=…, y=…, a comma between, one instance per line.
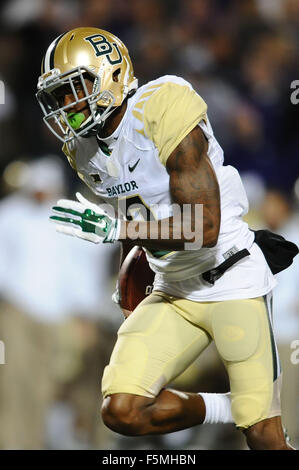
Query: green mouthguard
x=75, y=119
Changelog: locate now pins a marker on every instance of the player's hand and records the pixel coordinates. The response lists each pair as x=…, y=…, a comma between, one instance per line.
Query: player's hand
x=85, y=220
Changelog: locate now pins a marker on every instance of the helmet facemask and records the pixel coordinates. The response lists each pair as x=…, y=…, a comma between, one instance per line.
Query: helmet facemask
x=67, y=125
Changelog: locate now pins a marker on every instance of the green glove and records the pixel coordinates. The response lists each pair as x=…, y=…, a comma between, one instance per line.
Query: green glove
x=85, y=220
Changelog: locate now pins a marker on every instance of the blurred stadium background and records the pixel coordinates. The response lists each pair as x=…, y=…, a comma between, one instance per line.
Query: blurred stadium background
x=56, y=317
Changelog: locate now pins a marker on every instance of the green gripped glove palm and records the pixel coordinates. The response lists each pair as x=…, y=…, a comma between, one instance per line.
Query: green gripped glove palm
x=85, y=220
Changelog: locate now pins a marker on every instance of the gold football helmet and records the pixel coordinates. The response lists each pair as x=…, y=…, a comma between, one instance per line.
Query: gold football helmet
x=71, y=58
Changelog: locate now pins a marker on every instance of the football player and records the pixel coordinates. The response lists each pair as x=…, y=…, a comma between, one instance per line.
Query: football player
x=152, y=147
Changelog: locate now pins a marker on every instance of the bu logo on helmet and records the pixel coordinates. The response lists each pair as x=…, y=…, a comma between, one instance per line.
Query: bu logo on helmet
x=103, y=47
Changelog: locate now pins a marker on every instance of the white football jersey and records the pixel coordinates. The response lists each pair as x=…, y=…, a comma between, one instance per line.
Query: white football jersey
x=128, y=170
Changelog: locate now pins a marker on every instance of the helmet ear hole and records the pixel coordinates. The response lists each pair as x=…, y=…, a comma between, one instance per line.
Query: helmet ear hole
x=115, y=75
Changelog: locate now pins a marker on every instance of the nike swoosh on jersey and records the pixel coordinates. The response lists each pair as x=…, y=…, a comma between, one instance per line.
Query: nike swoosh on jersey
x=132, y=168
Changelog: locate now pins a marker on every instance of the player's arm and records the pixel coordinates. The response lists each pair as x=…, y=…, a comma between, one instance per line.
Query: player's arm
x=192, y=181
x=170, y=120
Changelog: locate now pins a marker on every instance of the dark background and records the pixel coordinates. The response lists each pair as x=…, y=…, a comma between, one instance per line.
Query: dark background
x=241, y=56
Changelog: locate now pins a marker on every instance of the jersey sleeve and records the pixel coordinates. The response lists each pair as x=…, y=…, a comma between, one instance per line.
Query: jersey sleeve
x=170, y=114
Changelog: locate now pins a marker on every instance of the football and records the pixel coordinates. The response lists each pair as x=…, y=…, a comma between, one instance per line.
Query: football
x=135, y=280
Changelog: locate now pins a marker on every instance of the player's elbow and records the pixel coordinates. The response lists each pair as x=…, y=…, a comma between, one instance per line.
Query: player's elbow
x=211, y=225
x=211, y=241
x=210, y=236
